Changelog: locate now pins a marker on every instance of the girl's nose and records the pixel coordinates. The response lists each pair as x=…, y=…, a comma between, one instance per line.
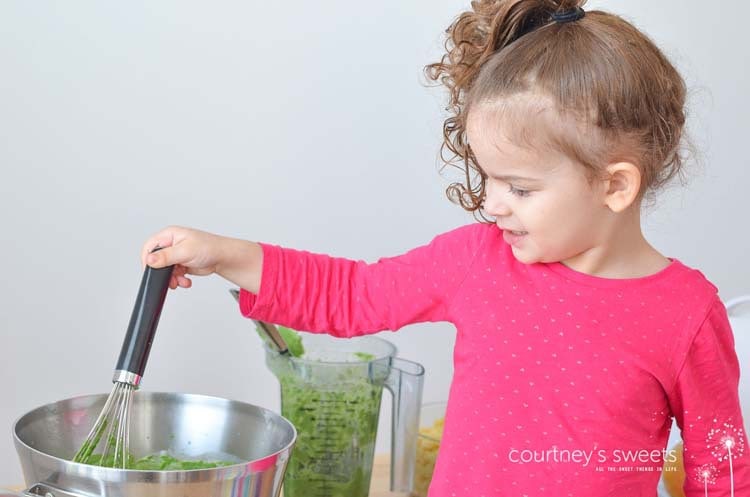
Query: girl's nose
x=494, y=204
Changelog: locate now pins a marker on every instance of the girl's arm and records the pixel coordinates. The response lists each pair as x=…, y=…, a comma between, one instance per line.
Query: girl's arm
x=705, y=403
x=343, y=297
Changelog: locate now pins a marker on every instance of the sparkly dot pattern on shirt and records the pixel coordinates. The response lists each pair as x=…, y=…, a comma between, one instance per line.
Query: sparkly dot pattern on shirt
x=564, y=383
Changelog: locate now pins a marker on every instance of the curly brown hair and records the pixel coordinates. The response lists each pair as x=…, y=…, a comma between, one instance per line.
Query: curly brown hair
x=624, y=96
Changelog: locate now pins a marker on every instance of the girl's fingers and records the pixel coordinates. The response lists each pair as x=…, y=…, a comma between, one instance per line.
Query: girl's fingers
x=181, y=281
x=165, y=238
x=175, y=250
x=158, y=259
x=168, y=256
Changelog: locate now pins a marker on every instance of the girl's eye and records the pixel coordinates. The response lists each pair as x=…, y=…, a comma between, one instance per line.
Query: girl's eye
x=519, y=193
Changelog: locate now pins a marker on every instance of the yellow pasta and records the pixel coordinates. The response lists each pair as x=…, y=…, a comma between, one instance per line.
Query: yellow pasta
x=427, y=448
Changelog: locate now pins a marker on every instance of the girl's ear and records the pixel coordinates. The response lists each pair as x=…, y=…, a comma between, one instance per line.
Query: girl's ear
x=621, y=185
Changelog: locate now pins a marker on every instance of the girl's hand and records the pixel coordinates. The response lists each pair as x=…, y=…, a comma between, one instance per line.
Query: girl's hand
x=190, y=251
x=200, y=253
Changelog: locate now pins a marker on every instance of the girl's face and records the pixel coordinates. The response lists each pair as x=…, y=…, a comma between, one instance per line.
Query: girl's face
x=541, y=195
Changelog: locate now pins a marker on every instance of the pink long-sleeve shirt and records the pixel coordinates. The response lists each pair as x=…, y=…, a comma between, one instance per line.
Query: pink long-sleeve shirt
x=565, y=384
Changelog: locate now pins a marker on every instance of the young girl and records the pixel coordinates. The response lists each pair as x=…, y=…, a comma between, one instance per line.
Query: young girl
x=577, y=341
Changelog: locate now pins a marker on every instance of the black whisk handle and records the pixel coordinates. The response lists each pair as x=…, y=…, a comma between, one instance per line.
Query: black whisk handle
x=143, y=323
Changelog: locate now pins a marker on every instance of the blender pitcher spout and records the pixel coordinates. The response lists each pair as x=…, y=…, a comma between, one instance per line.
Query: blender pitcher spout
x=405, y=381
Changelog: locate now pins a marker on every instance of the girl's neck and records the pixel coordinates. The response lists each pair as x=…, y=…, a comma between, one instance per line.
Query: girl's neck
x=622, y=252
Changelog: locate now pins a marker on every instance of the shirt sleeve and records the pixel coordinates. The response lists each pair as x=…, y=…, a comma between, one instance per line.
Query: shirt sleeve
x=342, y=297
x=706, y=406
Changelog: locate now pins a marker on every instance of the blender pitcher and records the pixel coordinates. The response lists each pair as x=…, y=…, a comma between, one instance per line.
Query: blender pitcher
x=332, y=396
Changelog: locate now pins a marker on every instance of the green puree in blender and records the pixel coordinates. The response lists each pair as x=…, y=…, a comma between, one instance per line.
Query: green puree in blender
x=336, y=413
x=330, y=421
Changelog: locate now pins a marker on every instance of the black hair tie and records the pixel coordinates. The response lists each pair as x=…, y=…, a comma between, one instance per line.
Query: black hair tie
x=570, y=15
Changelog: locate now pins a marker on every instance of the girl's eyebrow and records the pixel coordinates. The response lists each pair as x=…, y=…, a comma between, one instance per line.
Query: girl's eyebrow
x=507, y=178
x=513, y=178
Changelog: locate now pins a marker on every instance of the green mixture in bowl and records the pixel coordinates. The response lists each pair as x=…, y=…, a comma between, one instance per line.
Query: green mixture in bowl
x=162, y=461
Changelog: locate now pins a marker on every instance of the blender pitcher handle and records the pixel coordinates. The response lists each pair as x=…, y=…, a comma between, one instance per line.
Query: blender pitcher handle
x=405, y=381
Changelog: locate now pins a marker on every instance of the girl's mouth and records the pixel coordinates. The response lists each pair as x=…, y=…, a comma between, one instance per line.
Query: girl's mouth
x=514, y=237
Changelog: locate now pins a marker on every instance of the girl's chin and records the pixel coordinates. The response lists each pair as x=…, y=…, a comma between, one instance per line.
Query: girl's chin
x=524, y=255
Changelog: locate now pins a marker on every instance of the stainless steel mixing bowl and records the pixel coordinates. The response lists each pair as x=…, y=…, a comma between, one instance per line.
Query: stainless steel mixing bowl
x=187, y=425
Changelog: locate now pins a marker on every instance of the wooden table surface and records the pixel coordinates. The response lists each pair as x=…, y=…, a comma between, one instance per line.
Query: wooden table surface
x=381, y=478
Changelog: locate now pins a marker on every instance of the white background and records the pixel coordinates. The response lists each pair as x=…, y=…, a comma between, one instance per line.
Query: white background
x=305, y=124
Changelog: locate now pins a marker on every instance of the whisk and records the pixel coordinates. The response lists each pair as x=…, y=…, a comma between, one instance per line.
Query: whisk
x=113, y=422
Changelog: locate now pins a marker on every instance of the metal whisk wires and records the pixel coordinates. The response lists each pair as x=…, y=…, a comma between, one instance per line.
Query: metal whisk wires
x=114, y=424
